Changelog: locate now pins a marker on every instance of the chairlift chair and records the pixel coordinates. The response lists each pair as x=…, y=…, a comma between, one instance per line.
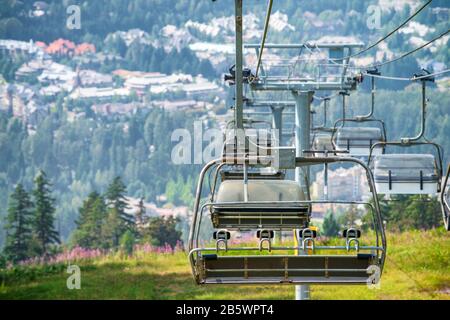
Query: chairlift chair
x=267, y=205
x=407, y=173
x=445, y=200
x=359, y=140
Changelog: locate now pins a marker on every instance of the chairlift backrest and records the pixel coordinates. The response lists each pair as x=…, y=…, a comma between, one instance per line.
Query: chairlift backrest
x=271, y=204
x=236, y=172
x=260, y=190
x=406, y=174
x=322, y=142
x=358, y=140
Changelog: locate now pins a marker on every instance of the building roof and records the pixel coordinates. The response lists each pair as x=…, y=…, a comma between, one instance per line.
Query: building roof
x=89, y=78
x=60, y=46
x=84, y=48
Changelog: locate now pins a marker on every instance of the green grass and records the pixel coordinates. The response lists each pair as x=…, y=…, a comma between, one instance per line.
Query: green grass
x=417, y=267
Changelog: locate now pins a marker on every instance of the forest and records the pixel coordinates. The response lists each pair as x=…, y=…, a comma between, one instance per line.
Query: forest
x=86, y=155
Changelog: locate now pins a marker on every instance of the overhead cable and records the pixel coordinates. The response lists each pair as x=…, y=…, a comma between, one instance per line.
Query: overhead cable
x=386, y=36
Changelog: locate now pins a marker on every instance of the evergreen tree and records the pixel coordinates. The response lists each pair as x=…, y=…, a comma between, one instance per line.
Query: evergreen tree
x=43, y=224
x=115, y=198
x=118, y=221
x=89, y=224
x=330, y=225
x=127, y=242
x=18, y=225
x=112, y=229
x=163, y=231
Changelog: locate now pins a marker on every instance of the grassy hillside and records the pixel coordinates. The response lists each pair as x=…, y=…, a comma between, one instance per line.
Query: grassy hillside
x=417, y=267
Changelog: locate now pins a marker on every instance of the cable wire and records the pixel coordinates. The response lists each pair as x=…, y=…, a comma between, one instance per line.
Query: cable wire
x=263, y=41
x=407, y=79
x=386, y=36
x=407, y=53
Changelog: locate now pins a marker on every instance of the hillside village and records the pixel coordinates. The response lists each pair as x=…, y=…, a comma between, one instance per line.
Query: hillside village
x=40, y=80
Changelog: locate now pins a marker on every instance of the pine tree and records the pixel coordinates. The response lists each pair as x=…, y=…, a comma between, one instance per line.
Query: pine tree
x=118, y=221
x=115, y=197
x=18, y=225
x=43, y=224
x=112, y=229
x=330, y=226
x=89, y=224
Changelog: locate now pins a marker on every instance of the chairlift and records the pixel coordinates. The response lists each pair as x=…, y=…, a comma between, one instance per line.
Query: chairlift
x=408, y=173
x=445, y=200
x=322, y=142
x=268, y=205
x=358, y=140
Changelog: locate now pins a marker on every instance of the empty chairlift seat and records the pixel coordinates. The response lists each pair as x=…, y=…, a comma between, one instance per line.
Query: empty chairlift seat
x=359, y=140
x=272, y=204
x=350, y=269
x=406, y=174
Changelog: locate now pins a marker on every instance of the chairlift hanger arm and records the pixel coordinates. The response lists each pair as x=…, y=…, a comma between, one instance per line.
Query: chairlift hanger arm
x=343, y=94
x=372, y=94
x=324, y=120
x=423, y=111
